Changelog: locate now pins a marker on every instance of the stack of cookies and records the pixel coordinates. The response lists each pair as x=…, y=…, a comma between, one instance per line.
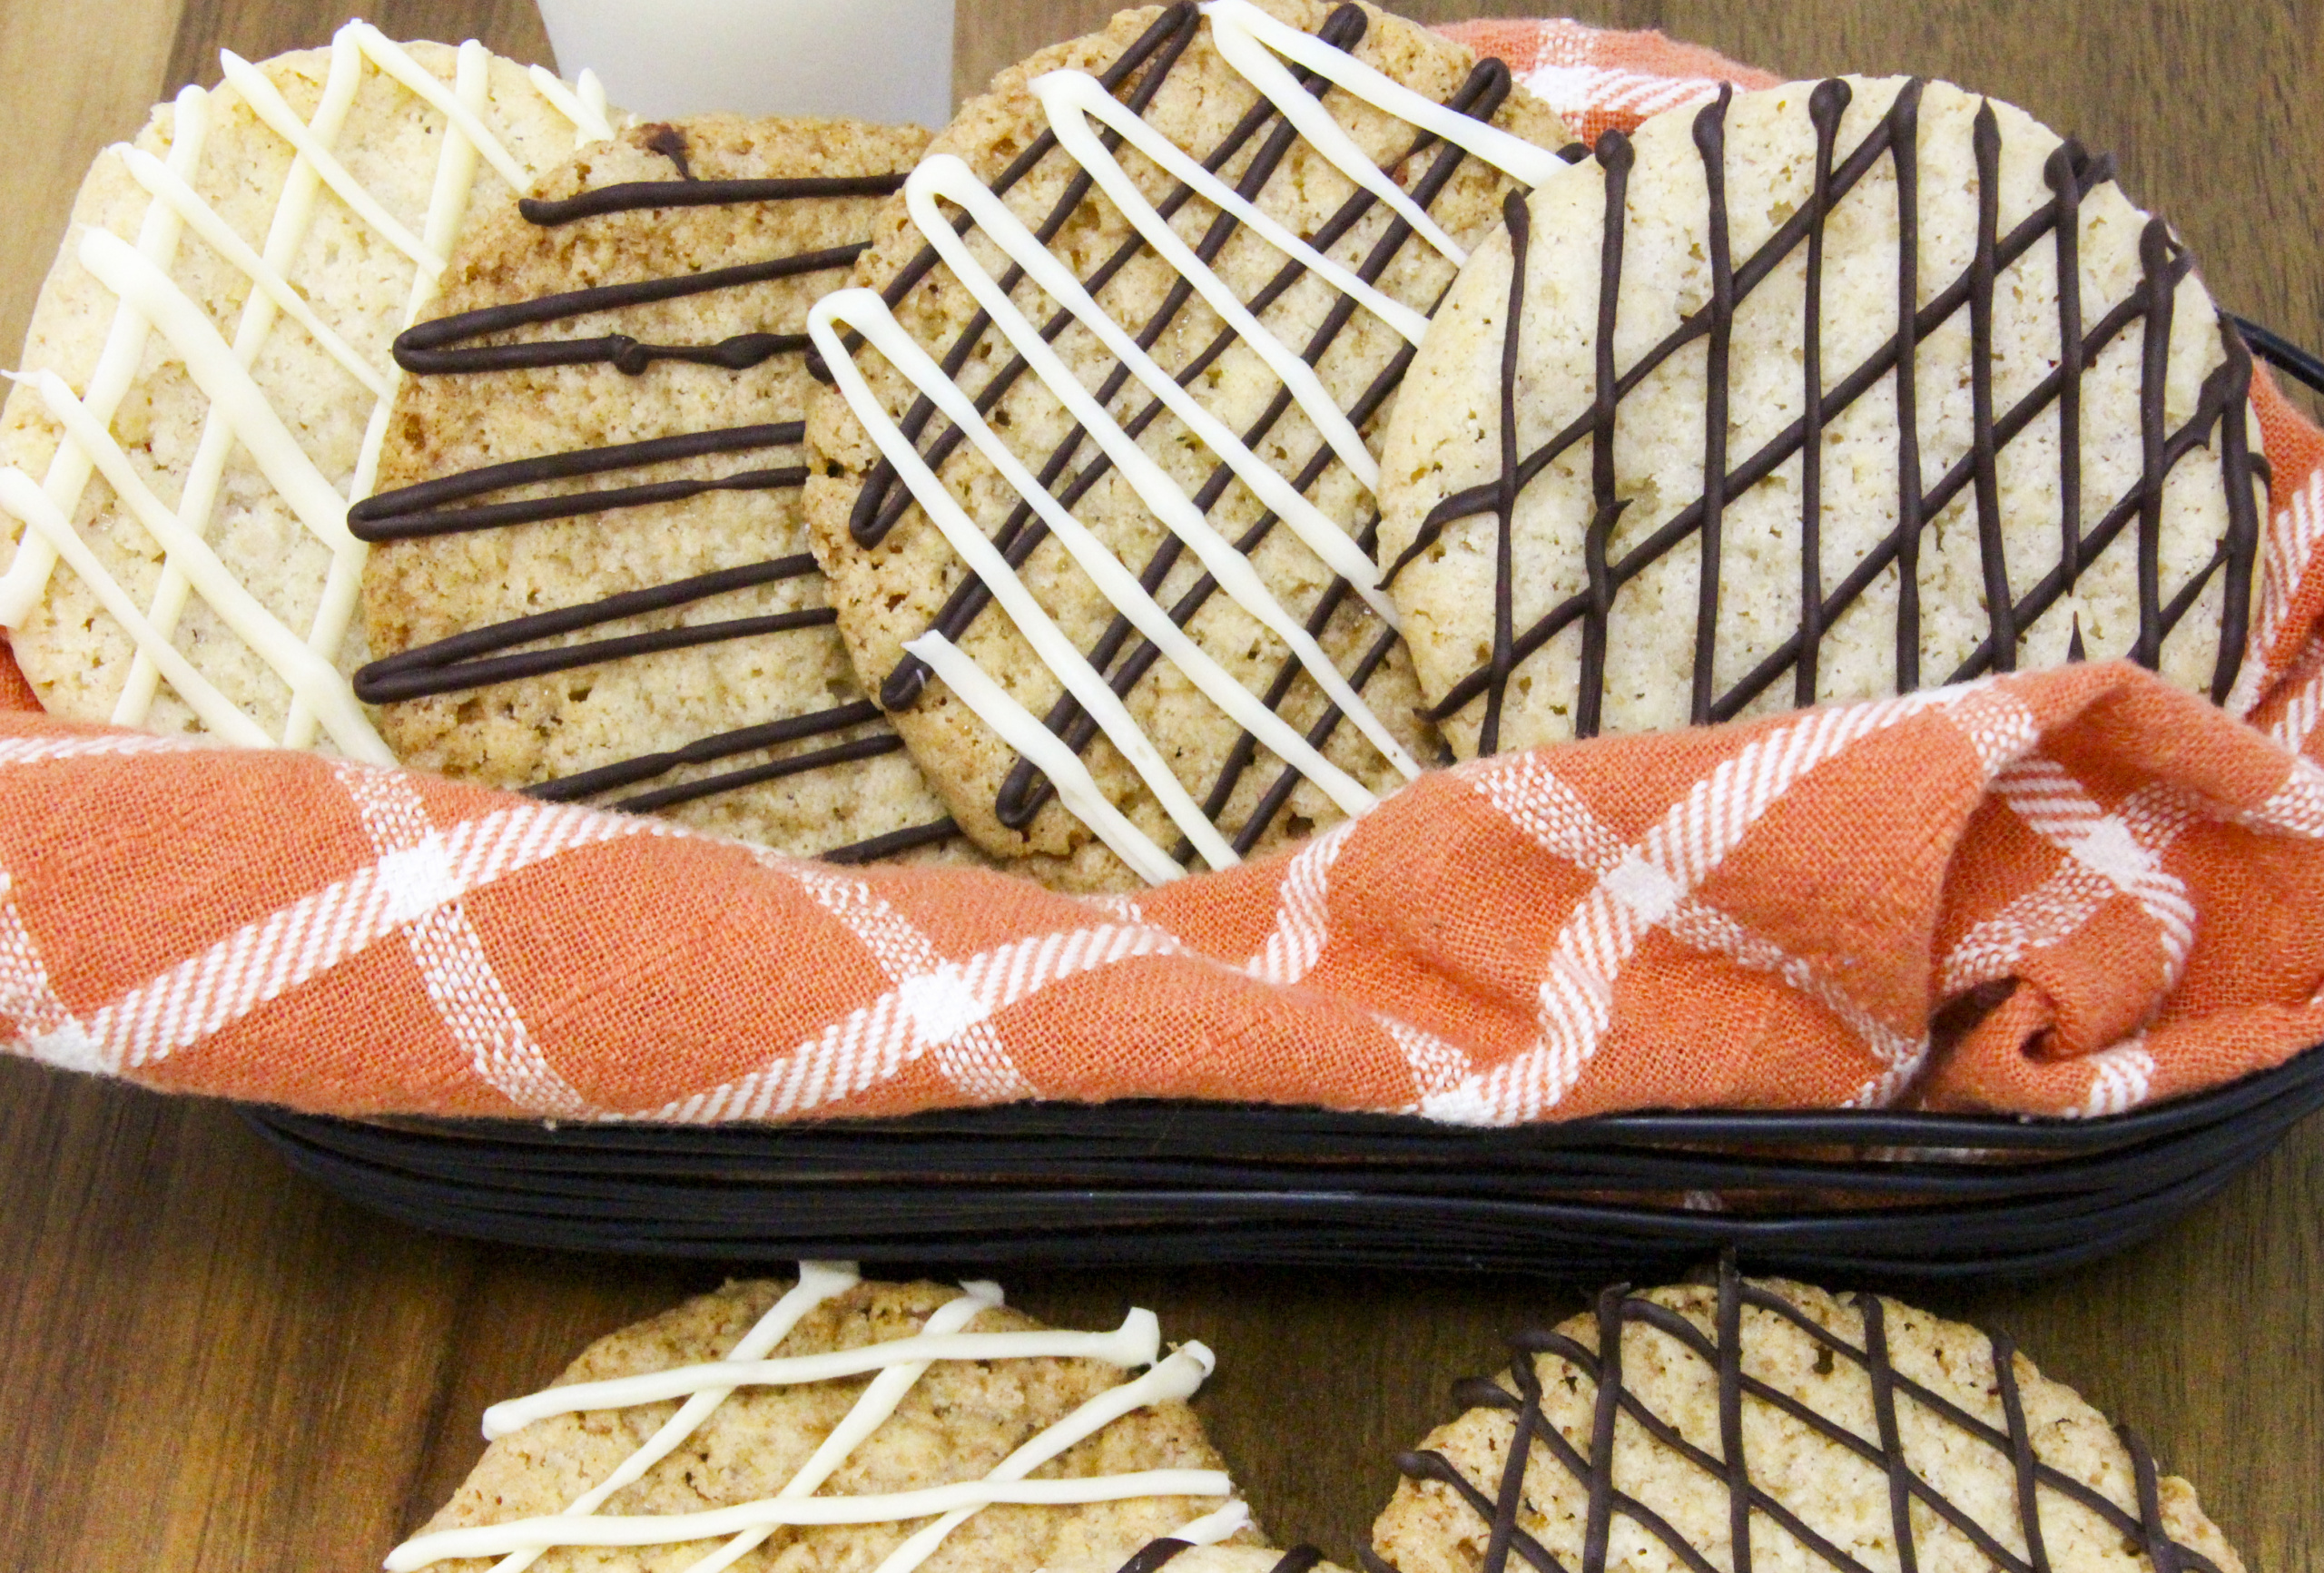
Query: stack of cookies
x=1230, y=415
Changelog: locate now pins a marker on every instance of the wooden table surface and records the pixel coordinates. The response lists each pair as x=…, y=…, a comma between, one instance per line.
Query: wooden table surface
x=206, y=1363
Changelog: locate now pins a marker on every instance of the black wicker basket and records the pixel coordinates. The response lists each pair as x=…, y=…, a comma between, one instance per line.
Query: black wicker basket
x=1834, y=1192
x=1847, y=1192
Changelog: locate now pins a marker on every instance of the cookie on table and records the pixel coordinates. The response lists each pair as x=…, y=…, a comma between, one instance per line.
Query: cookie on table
x=2069, y=470
x=883, y=1423
x=1231, y=301
x=209, y=377
x=591, y=581
x=1858, y=1422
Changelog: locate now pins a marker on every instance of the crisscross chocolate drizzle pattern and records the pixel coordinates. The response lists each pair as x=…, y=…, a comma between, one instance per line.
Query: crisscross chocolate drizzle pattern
x=1500, y=1502
x=494, y=654
x=2071, y=174
x=1124, y=657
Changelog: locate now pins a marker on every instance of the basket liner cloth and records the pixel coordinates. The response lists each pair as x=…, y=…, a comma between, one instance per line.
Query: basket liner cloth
x=2064, y=893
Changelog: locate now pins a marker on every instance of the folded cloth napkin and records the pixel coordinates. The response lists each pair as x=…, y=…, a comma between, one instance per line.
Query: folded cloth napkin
x=2064, y=892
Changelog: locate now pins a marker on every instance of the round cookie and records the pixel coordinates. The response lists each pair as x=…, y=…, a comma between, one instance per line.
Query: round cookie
x=211, y=377
x=892, y=1425
x=592, y=581
x=1858, y=1422
x=1172, y=425
x=2128, y=529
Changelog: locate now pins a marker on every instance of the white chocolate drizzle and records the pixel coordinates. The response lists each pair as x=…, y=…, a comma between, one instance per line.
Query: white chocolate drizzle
x=1245, y=33
x=868, y=314
x=1070, y=98
x=312, y=677
x=1250, y=40
x=1136, y=1341
x=1021, y=730
x=270, y=107
x=164, y=186
x=945, y=175
x=238, y=413
x=21, y=497
x=582, y=102
x=70, y=467
x=818, y=1281
x=898, y=1363
x=115, y=264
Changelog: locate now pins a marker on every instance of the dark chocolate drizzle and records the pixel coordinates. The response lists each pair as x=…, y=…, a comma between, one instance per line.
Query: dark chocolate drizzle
x=1710, y=125
x=689, y=192
x=1534, y=1439
x=1157, y=1554
x=411, y=512
x=479, y=658
x=1119, y=651
x=425, y=350
x=1825, y=104
x=664, y=139
x=2071, y=174
x=1519, y=218
x=470, y=660
x=1905, y=157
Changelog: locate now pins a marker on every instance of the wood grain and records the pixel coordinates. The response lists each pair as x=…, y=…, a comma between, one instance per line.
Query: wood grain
x=255, y=29
x=61, y=100
x=210, y=1365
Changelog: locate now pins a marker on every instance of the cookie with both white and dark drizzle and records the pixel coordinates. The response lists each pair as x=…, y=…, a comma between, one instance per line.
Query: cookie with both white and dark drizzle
x=591, y=581
x=1118, y=364
x=1760, y=1423
x=1821, y=392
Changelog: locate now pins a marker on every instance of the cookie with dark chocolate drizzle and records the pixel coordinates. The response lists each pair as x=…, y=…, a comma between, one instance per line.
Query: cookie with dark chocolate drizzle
x=625, y=613
x=1762, y=1423
x=1827, y=391
x=1236, y=330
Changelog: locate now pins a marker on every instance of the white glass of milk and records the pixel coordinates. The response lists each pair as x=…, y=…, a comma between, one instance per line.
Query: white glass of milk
x=879, y=60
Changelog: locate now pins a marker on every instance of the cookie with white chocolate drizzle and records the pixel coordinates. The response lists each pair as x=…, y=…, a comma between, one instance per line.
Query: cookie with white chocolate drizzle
x=1821, y=392
x=1095, y=486
x=590, y=581
x=208, y=377
x=837, y=1423
x=1760, y=1423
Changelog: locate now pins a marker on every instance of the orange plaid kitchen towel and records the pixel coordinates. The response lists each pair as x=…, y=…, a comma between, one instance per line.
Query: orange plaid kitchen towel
x=2112, y=883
